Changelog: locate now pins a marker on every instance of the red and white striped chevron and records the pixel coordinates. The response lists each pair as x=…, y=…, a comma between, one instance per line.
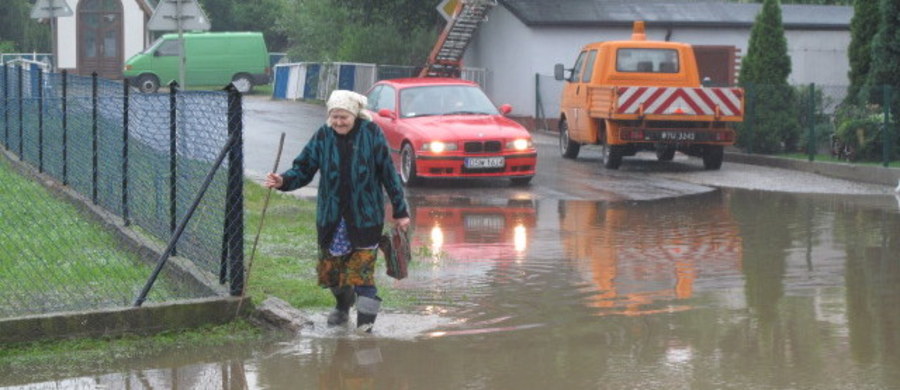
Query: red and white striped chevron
x=675, y=100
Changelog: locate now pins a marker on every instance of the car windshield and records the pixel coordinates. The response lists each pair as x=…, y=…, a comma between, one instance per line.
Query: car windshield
x=445, y=100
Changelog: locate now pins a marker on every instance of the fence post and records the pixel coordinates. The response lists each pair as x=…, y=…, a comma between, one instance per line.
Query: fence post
x=125, y=100
x=40, y=122
x=749, y=114
x=234, y=205
x=887, y=140
x=173, y=151
x=21, y=99
x=94, y=141
x=811, y=135
x=5, y=107
x=65, y=127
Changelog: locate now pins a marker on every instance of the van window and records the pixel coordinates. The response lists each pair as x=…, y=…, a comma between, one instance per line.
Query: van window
x=647, y=60
x=576, y=70
x=589, y=67
x=169, y=48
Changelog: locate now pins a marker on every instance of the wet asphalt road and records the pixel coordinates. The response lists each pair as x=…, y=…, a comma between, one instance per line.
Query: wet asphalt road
x=640, y=177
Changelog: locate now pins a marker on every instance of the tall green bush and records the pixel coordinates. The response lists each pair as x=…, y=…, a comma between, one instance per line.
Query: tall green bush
x=764, y=73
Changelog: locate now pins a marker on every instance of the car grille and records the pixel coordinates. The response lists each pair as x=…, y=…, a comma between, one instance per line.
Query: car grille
x=482, y=147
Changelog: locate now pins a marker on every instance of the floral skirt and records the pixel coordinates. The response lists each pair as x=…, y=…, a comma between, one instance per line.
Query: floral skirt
x=356, y=268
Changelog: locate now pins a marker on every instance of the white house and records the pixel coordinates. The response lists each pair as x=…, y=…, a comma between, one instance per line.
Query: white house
x=101, y=35
x=522, y=38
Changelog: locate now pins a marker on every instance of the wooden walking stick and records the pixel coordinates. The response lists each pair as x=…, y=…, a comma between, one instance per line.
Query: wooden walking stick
x=262, y=218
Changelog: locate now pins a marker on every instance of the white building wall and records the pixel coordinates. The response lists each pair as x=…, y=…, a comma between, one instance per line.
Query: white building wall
x=67, y=38
x=512, y=53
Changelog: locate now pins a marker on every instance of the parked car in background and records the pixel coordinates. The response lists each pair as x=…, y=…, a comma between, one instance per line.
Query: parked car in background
x=211, y=59
x=448, y=128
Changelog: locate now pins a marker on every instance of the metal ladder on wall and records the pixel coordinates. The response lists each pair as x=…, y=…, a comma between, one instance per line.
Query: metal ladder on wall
x=445, y=59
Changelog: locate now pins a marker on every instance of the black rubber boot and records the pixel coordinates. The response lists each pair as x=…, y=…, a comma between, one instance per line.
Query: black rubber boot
x=366, y=312
x=345, y=297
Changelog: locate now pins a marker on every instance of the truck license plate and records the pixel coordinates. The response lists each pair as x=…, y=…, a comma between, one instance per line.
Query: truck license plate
x=677, y=136
x=484, y=162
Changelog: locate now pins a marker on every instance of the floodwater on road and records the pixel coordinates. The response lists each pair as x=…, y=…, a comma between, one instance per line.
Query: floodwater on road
x=727, y=289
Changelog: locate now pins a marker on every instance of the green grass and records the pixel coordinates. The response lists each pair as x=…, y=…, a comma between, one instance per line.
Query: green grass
x=52, y=254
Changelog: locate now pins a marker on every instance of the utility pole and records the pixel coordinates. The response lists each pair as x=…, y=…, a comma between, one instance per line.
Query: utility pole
x=180, y=16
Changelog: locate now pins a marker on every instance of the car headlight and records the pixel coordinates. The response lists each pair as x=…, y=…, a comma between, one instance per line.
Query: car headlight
x=520, y=144
x=439, y=146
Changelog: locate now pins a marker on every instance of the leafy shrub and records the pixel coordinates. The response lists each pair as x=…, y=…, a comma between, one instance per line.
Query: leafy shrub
x=859, y=130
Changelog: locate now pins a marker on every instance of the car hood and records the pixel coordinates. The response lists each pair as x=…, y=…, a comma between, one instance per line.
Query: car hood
x=465, y=127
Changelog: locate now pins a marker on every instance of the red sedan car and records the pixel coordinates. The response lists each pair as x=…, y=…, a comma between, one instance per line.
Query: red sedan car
x=448, y=128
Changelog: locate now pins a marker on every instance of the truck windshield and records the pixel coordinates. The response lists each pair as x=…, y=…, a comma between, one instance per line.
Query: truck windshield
x=647, y=60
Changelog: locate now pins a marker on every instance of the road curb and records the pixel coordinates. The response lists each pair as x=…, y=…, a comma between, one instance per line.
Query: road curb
x=845, y=171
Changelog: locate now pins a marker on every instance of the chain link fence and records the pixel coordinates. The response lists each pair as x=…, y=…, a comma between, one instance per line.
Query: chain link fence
x=93, y=175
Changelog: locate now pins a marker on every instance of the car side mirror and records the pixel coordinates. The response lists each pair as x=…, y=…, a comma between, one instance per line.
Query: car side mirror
x=505, y=109
x=384, y=112
x=559, y=72
x=156, y=53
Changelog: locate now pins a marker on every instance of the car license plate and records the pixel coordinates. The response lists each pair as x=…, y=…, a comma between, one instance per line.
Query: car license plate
x=484, y=223
x=484, y=162
x=677, y=136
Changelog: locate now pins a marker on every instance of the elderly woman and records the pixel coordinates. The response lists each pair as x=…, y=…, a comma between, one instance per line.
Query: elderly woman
x=355, y=164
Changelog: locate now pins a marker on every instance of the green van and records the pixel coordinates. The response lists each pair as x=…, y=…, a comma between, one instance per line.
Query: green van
x=211, y=58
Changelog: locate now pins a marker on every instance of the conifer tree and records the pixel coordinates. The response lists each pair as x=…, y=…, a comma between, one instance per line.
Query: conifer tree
x=885, y=67
x=764, y=73
x=863, y=27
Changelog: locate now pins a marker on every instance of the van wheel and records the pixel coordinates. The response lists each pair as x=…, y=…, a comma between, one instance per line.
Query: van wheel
x=242, y=82
x=712, y=157
x=408, y=166
x=611, y=155
x=148, y=83
x=567, y=147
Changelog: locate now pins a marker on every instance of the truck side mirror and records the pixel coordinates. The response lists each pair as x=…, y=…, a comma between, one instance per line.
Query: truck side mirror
x=559, y=72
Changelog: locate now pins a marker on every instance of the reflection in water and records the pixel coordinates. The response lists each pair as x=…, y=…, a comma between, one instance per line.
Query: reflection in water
x=645, y=256
x=466, y=229
x=729, y=290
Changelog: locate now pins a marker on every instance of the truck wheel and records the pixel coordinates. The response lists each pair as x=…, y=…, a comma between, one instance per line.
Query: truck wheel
x=408, y=166
x=567, y=147
x=665, y=153
x=148, y=83
x=611, y=155
x=242, y=82
x=712, y=157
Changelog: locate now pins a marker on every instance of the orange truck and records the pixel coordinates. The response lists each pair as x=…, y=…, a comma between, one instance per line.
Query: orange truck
x=633, y=95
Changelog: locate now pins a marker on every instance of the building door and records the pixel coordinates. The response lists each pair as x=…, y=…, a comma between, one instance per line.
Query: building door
x=100, y=38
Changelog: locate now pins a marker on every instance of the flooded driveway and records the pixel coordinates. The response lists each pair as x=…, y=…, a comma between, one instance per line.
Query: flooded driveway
x=644, y=278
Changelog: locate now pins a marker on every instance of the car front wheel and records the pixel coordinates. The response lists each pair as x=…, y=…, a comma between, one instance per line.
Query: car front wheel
x=408, y=166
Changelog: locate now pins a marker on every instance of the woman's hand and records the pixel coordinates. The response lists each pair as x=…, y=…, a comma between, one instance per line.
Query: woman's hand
x=274, y=180
x=402, y=223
